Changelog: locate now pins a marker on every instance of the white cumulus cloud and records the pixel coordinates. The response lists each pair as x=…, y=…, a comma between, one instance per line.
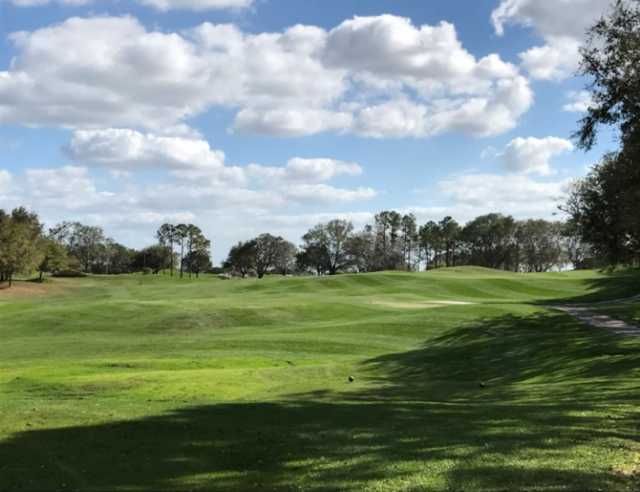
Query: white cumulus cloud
x=533, y=155
x=164, y=5
x=519, y=195
x=197, y=5
x=562, y=24
x=99, y=72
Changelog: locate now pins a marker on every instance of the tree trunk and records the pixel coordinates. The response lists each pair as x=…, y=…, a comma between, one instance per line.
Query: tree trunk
x=181, y=258
x=171, y=262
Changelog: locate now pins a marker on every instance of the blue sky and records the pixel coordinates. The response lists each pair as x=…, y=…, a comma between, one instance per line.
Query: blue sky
x=222, y=113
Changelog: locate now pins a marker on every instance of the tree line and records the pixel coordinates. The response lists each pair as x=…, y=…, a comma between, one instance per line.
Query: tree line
x=75, y=249
x=396, y=242
x=393, y=241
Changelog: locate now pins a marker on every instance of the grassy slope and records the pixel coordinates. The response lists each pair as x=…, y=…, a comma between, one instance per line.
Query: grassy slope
x=628, y=311
x=141, y=383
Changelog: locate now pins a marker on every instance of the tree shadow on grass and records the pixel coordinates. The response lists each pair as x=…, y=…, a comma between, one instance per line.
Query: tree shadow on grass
x=546, y=415
x=611, y=285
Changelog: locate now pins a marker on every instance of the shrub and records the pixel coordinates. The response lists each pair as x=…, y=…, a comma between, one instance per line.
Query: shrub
x=69, y=274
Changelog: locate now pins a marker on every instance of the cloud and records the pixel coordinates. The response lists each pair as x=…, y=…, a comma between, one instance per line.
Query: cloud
x=322, y=193
x=125, y=150
x=99, y=72
x=562, y=24
x=556, y=60
x=132, y=212
x=533, y=155
x=579, y=102
x=37, y=3
x=291, y=122
x=202, y=182
x=66, y=188
x=163, y=5
x=305, y=170
x=197, y=5
x=518, y=195
x=5, y=181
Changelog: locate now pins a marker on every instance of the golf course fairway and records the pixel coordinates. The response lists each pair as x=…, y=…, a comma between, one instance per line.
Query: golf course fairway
x=461, y=379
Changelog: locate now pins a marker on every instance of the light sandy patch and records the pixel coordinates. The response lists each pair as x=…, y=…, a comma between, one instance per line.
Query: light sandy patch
x=598, y=320
x=418, y=304
x=454, y=303
x=28, y=290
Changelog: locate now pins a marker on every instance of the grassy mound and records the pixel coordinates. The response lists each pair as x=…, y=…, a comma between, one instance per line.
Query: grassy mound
x=152, y=383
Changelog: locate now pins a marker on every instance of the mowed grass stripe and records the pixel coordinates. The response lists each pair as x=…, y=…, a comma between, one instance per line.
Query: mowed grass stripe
x=156, y=383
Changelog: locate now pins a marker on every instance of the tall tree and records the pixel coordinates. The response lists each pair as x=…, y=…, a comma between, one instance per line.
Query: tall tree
x=387, y=225
x=198, y=247
x=449, y=234
x=155, y=258
x=181, y=234
x=167, y=236
x=430, y=238
x=54, y=257
x=490, y=240
x=360, y=248
x=241, y=258
x=266, y=253
x=285, y=261
x=604, y=208
x=330, y=240
x=611, y=62
x=198, y=261
x=82, y=241
x=313, y=256
x=539, y=246
x=409, y=239
x=20, y=243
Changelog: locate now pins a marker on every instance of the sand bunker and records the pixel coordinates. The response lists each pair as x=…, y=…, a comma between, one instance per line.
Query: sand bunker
x=418, y=304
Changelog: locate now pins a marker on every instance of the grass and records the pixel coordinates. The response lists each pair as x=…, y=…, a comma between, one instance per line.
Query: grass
x=628, y=311
x=141, y=383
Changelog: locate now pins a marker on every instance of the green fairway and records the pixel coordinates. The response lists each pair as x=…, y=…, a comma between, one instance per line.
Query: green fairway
x=463, y=380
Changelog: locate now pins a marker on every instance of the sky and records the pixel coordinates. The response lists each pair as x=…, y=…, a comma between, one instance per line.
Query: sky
x=252, y=116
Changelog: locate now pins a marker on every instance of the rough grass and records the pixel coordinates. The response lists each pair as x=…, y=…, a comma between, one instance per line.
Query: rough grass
x=150, y=383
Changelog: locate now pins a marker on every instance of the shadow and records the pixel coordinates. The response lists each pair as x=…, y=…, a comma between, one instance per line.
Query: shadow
x=611, y=285
x=499, y=353
x=545, y=414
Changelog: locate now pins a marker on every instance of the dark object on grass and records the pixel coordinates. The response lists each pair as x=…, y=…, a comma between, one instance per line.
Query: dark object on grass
x=482, y=385
x=351, y=379
x=69, y=274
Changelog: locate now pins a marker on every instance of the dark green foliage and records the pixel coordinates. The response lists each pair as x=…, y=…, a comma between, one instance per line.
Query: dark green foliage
x=69, y=274
x=611, y=60
x=156, y=258
x=55, y=258
x=241, y=259
x=489, y=241
x=604, y=209
x=20, y=243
